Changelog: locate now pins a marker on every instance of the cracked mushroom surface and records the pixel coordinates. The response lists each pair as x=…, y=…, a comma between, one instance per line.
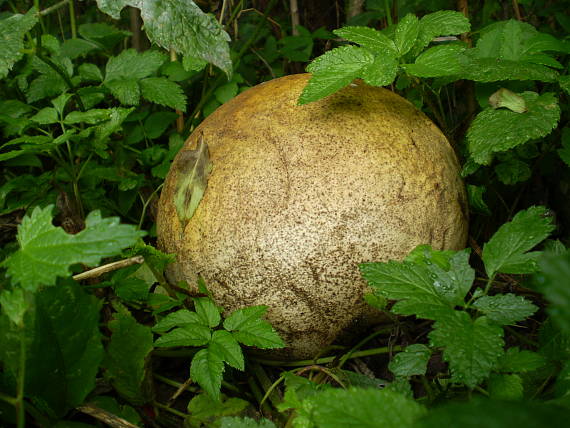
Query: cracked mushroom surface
x=299, y=196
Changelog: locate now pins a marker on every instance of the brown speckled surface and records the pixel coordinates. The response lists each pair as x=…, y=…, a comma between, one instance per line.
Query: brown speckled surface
x=300, y=195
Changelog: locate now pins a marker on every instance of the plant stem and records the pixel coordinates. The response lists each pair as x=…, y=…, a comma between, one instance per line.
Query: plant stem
x=146, y=203
x=360, y=344
x=53, y=8
x=20, y=383
x=170, y=410
x=72, y=22
x=388, y=12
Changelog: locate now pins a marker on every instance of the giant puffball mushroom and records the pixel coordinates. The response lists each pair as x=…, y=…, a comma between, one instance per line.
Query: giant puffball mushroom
x=286, y=201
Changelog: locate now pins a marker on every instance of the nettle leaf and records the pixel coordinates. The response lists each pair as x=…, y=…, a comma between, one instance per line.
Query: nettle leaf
x=182, y=26
x=130, y=64
x=506, y=251
x=47, y=252
x=186, y=335
x=227, y=347
x=472, y=347
x=412, y=361
x=207, y=311
x=406, y=33
x=353, y=407
x=553, y=283
x=370, y=39
x=517, y=361
x=12, y=31
x=192, y=170
x=437, y=62
x=163, y=91
x=127, y=358
x=249, y=328
x=421, y=289
x=381, y=72
x=333, y=71
x=505, y=309
x=207, y=369
x=442, y=23
x=177, y=319
x=499, y=130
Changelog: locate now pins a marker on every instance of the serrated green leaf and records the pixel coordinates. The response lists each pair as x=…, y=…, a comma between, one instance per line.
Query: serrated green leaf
x=506, y=251
x=192, y=171
x=333, y=71
x=381, y=72
x=127, y=358
x=207, y=311
x=235, y=422
x=513, y=171
x=249, y=328
x=127, y=91
x=47, y=252
x=505, y=386
x=411, y=284
x=45, y=86
x=441, y=23
x=63, y=347
x=163, y=91
x=176, y=319
x=412, y=361
x=495, y=69
x=45, y=116
x=505, y=309
x=74, y=48
x=517, y=361
x=495, y=131
x=186, y=335
x=13, y=304
x=12, y=31
x=227, y=348
x=357, y=408
x=132, y=65
x=370, y=39
x=553, y=283
x=204, y=410
x=406, y=33
x=90, y=117
x=90, y=72
x=437, y=62
x=207, y=369
x=472, y=347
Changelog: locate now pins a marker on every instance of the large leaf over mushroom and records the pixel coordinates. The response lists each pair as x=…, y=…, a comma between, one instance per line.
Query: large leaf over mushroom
x=192, y=173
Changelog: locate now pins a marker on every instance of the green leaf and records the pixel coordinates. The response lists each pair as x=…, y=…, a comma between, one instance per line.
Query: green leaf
x=63, y=347
x=412, y=361
x=47, y=252
x=438, y=61
x=249, y=328
x=333, y=71
x=158, y=122
x=204, y=411
x=505, y=309
x=406, y=33
x=128, y=356
x=564, y=82
x=500, y=130
x=186, y=335
x=130, y=64
x=207, y=369
x=496, y=414
x=127, y=91
x=207, y=311
x=441, y=23
x=45, y=86
x=235, y=422
x=505, y=386
x=553, y=283
x=90, y=117
x=517, y=361
x=338, y=408
x=411, y=284
x=74, y=48
x=227, y=348
x=472, y=347
x=506, y=251
x=90, y=72
x=46, y=116
x=13, y=303
x=112, y=7
x=192, y=171
x=475, y=195
x=381, y=72
x=177, y=319
x=513, y=171
x=370, y=39
x=163, y=91
x=12, y=31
